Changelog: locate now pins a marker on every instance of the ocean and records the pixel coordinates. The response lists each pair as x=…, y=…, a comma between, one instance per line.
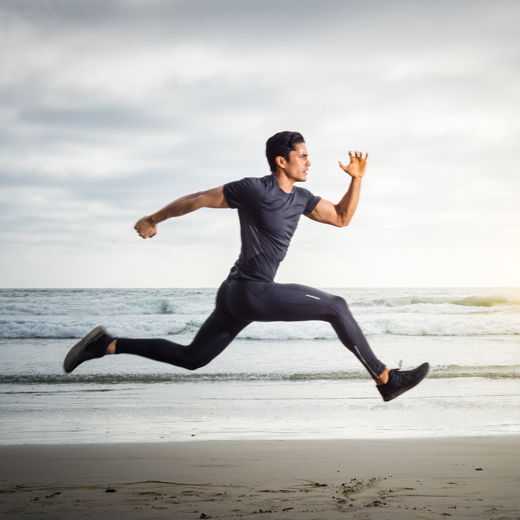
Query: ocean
x=275, y=381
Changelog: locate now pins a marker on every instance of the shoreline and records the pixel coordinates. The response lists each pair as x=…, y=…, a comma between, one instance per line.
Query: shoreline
x=461, y=477
x=245, y=440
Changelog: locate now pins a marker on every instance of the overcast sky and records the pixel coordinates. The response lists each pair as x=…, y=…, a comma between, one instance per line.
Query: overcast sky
x=111, y=109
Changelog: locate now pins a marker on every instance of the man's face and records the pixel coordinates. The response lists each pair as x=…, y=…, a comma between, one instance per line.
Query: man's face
x=298, y=165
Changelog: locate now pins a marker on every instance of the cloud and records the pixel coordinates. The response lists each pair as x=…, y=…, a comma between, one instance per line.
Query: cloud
x=110, y=109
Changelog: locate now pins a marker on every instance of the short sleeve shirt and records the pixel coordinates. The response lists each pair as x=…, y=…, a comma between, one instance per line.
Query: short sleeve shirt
x=268, y=219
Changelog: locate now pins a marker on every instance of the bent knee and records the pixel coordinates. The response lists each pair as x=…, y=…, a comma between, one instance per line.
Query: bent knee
x=338, y=309
x=339, y=304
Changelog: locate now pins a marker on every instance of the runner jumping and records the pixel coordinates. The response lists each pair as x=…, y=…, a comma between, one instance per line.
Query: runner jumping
x=269, y=209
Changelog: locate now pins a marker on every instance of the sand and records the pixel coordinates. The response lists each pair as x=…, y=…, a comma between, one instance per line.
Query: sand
x=322, y=479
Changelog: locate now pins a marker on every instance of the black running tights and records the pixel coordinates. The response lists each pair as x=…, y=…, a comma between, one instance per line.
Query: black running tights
x=240, y=302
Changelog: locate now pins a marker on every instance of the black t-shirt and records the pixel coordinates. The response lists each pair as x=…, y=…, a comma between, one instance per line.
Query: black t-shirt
x=268, y=219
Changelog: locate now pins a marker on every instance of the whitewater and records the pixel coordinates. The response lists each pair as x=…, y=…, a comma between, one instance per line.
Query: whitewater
x=276, y=380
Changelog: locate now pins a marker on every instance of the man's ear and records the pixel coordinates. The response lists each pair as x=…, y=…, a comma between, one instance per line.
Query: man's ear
x=280, y=162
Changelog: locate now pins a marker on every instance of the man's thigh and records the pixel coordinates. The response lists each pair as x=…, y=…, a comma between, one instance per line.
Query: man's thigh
x=286, y=302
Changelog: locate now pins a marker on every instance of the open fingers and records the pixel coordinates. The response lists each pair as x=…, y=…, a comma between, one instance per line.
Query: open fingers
x=358, y=155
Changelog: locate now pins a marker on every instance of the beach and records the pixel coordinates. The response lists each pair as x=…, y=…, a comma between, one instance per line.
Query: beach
x=285, y=423
x=475, y=477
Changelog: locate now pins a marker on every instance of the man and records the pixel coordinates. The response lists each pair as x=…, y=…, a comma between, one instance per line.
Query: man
x=269, y=209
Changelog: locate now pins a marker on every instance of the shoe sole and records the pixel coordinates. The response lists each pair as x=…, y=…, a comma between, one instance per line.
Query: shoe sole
x=424, y=365
x=77, y=350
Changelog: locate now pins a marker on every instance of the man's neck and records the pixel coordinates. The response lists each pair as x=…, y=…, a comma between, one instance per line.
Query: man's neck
x=286, y=184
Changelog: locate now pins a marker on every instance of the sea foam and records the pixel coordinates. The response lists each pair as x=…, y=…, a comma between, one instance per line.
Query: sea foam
x=371, y=324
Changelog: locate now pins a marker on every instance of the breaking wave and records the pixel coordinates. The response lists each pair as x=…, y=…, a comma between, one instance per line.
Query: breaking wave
x=108, y=304
x=77, y=329
x=103, y=309
x=430, y=302
x=67, y=313
x=507, y=323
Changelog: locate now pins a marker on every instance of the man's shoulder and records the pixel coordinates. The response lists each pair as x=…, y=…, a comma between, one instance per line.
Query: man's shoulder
x=254, y=183
x=245, y=192
x=307, y=199
x=259, y=181
x=254, y=180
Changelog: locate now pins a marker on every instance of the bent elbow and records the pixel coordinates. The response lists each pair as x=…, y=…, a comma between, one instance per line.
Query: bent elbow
x=340, y=218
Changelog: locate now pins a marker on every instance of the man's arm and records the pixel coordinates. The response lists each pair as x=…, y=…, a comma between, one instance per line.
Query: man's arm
x=214, y=198
x=341, y=214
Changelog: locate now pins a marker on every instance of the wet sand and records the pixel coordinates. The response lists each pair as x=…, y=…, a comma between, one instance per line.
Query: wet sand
x=309, y=480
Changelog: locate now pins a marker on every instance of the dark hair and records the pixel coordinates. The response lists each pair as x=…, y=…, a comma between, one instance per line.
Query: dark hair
x=281, y=145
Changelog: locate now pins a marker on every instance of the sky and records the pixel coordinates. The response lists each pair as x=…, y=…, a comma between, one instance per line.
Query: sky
x=111, y=109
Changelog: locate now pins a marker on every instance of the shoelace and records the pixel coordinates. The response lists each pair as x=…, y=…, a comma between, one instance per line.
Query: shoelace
x=399, y=377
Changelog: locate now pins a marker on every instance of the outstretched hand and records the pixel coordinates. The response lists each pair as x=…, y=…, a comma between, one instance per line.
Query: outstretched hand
x=146, y=227
x=356, y=168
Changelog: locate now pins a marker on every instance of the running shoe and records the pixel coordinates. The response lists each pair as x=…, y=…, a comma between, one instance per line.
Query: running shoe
x=93, y=345
x=399, y=381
